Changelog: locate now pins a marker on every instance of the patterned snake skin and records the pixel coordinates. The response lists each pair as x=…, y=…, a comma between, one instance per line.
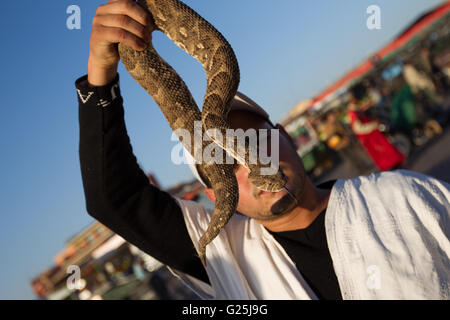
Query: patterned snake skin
x=202, y=41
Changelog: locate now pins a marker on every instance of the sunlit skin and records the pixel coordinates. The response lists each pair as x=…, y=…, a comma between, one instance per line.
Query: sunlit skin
x=310, y=201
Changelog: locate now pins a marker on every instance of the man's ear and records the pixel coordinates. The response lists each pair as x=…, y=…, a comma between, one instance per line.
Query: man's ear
x=210, y=194
x=288, y=136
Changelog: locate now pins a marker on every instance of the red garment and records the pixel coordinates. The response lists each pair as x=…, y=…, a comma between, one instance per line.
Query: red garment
x=382, y=152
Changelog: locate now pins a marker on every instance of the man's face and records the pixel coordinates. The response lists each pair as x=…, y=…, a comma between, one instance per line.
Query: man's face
x=258, y=204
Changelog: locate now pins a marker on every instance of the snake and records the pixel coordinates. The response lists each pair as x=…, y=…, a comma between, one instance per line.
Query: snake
x=197, y=37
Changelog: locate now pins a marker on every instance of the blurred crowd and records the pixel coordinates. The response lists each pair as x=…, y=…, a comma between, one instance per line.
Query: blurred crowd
x=399, y=107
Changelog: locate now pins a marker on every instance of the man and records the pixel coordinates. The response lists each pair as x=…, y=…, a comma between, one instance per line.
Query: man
x=420, y=83
x=334, y=241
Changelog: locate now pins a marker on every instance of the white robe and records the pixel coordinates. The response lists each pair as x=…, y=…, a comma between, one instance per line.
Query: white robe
x=388, y=236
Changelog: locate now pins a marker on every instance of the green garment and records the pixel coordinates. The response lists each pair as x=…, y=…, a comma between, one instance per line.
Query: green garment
x=403, y=109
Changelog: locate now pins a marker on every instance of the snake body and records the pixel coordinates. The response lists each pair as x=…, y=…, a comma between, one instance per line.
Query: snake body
x=201, y=40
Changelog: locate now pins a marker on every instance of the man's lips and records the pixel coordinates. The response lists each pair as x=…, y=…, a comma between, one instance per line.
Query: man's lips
x=259, y=193
x=262, y=192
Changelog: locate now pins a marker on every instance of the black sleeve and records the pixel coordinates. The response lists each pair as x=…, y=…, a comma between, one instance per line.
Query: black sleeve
x=118, y=193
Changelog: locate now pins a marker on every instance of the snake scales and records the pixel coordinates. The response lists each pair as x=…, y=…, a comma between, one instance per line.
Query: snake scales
x=202, y=41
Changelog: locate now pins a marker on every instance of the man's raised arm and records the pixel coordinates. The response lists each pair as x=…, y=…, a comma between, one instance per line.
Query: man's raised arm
x=117, y=191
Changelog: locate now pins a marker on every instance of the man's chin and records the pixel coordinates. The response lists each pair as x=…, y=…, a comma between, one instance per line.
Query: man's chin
x=281, y=206
x=284, y=204
x=281, y=202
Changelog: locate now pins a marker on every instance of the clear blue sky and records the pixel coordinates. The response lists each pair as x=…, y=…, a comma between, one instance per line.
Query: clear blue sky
x=288, y=51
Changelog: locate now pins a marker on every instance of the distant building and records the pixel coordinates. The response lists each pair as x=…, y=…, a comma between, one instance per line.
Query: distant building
x=78, y=251
x=112, y=268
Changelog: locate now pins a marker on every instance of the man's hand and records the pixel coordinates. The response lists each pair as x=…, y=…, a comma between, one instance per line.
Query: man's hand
x=118, y=21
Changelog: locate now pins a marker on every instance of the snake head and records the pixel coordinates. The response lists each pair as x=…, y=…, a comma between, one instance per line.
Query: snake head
x=271, y=183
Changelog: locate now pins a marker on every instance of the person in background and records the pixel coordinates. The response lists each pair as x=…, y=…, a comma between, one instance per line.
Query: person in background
x=403, y=112
x=340, y=140
x=426, y=95
x=373, y=93
x=421, y=84
x=436, y=73
x=381, y=151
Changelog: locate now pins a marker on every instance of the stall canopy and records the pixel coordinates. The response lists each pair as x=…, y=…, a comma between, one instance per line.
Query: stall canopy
x=112, y=244
x=407, y=35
